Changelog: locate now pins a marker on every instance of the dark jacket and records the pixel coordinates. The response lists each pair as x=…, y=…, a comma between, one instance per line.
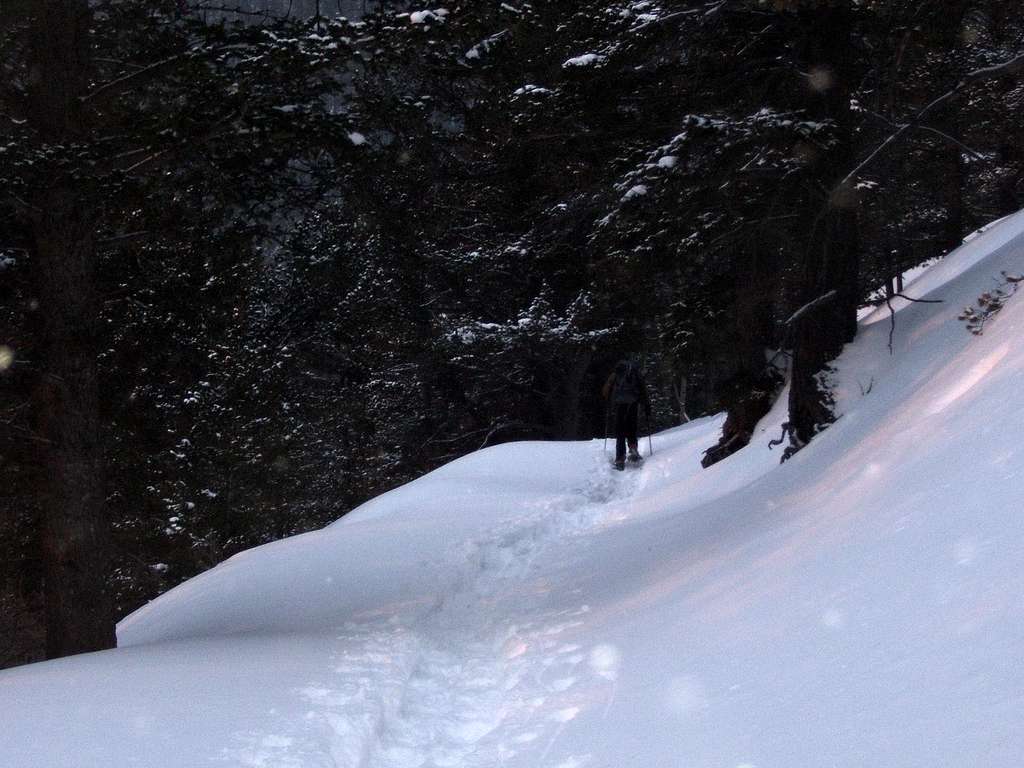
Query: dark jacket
x=626, y=386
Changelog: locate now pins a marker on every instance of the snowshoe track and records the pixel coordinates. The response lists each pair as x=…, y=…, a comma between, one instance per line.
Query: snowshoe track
x=469, y=674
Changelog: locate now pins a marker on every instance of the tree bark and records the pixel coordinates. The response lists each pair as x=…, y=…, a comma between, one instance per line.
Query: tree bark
x=832, y=256
x=819, y=335
x=563, y=402
x=749, y=390
x=75, y=531
x=955, y=225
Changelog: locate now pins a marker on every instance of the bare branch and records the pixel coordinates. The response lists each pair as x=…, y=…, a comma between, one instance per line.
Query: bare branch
x=892, y=312
x=114, y=87
x=236, y=10
x=1012, y=67
x=918, y=301
x=811, y=306
x=118, y=239
x=707, y=10
x=880, y=302
x=972, y=152
x=128, y=153
x=146, y=161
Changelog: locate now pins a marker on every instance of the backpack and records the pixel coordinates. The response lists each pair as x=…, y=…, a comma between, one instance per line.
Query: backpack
x=626, y=388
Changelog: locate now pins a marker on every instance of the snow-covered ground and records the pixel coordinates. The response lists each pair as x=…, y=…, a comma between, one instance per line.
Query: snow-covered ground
x=860, y=605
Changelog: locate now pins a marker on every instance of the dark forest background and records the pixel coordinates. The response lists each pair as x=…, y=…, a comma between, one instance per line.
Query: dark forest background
x=261, y=262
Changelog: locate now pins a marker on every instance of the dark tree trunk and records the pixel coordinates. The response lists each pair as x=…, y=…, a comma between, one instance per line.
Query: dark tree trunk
x=820, y=335
x=750, y=389
x=76, y=533
x=563, y=402
x=832, y=257
x=956, y=224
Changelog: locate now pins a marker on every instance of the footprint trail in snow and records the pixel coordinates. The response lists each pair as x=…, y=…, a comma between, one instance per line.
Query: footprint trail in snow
x=470, y=663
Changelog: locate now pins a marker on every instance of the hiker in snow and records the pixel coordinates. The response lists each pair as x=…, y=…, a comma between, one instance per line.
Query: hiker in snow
x=624, y=391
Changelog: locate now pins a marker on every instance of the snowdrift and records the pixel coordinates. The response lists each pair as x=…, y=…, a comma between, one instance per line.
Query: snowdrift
x=860, y=605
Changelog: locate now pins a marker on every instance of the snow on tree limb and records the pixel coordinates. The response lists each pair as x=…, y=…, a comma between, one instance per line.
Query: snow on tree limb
x=811, y=305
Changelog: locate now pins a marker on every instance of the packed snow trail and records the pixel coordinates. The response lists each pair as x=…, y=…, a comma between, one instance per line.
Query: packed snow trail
x=484, y=663
x=527, y=607
x=472, y=693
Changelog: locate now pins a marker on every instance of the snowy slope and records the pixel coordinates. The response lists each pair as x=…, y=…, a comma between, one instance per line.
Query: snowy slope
x=860, y=605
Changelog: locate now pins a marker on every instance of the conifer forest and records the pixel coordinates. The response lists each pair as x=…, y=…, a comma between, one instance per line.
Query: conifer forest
x=263, y=260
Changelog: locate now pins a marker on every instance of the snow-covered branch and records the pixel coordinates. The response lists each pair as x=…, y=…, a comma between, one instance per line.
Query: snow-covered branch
x=707, y=10
x=811, y=305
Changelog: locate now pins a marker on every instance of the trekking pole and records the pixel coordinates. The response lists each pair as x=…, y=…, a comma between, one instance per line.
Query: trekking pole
x=605, y=449
x=650, y=442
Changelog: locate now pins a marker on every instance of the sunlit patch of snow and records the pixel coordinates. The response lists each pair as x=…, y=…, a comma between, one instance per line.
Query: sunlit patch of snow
x=565, y=715
x=967, y=381
x=605, y=660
